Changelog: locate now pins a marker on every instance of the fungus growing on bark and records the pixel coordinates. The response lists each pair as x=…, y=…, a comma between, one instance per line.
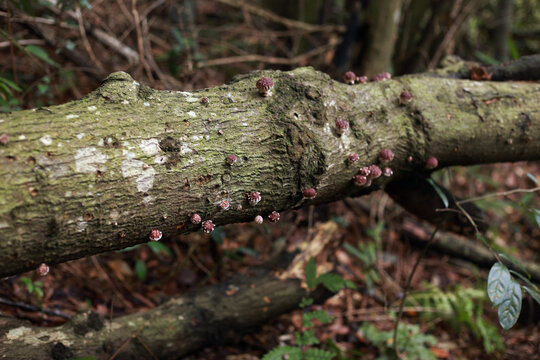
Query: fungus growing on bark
x=205, y=100
x=349, y=77
x=432, y=162
x=364, y=171
x=361, y=79
x=342, y=126
x=360, y=180
x=259, y=219
x=155, y=235
x=4, y=139
x=208, y=226
x=265, y=85
x=274, y=216
x=224, y=204
x=374, y=171
x=405, y=97
x=387, y=171
x=353, y=157
x=254, y=198
x=386, y=155
x=43, y=269
x=196, y=219
x=309, y=193
x=381, y=76
x=231, y=159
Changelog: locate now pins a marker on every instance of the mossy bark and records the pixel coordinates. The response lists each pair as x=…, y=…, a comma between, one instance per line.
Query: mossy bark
x=100, y=173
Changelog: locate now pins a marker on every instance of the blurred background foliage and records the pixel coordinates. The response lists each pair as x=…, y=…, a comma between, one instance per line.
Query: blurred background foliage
x=57, y=50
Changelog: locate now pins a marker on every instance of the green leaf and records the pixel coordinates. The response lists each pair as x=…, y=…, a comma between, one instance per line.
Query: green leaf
x=514, y=261
x=40, y=53
x=535, y=295
x=277, y=353
x=10, y=83
x=158, y=248
x=525, y=280
x=499, y=280
x=141, y=270
x=38, y=291
x=514, y=53
x=311, y=274
x=510, y=307
x=439, y=192
x=536, y=215
x=332, y=282
x=306, y=302
x=218, y=235
x=318, y=354
x=306, y=338
x=320, y=315
x=356, y=252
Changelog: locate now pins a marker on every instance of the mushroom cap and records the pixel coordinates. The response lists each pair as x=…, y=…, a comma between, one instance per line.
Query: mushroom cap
x=264, y=83
x=155, y=235
x=274, y=216
x=309, y=193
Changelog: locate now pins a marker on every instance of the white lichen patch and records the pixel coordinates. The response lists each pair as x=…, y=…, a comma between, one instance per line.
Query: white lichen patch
x=72, y=116
x=60, y=145
x=22, y=137
x=144, y=177
x=89, y=160
x=33, y=337
x=92, y=108
x=46, y=140
x=191, y=99
x=68, y=193
x=185, y=93
x=80, y=136
x=125, y=102
x=160, y=159
x=101, y=142
x=184, y=149
x=146, y=103
x=150, y=146
x=192, y=114
x=148, y=200
x=3, y=225
x=81, y=224
x=20, y=332
x=196, y=137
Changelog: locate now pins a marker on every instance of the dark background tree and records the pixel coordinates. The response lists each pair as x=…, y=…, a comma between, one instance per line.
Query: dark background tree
x=53, y=54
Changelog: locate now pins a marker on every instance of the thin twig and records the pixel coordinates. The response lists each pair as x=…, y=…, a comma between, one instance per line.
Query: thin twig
x=133, y=336
x=29, y=307
x=282, y=20
x=503, y=193
x=267, y=59
x=86, y=43
x=140, y=44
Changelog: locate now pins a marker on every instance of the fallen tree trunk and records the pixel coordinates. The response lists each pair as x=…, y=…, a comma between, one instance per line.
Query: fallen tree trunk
x=100, y=173
x=210, y=315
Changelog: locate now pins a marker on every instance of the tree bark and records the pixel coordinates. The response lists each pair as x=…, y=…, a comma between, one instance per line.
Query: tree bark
x=383, y=18
x=100, y=173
